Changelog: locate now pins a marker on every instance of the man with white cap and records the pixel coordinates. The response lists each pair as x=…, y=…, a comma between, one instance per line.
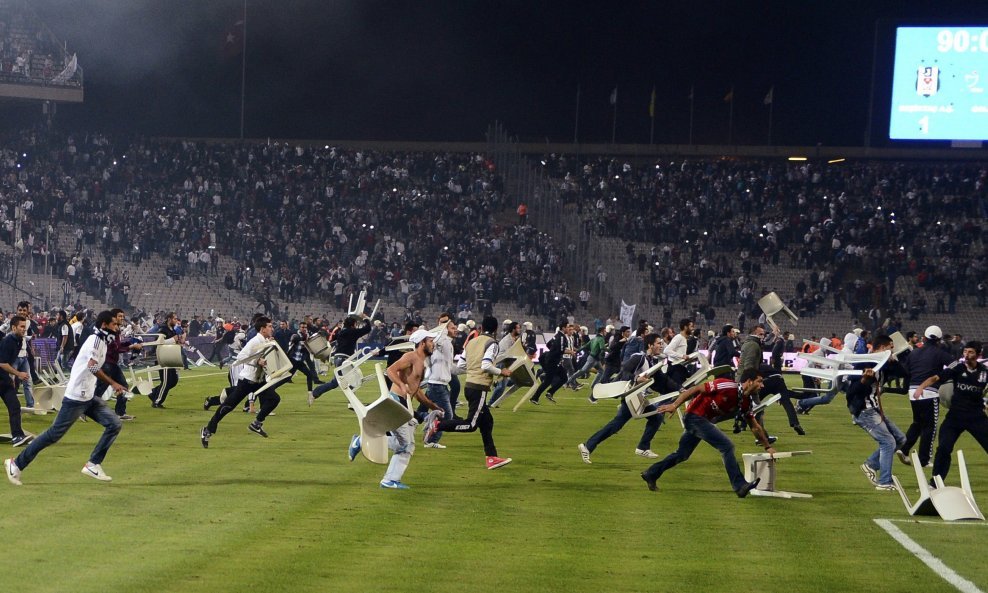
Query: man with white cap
x=406, y=382
x=922, y=364
x=441, y=373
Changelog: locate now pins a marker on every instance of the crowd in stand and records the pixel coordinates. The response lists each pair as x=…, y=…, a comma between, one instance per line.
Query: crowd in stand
x=714, y=223
x=301, y=223
x=28, y=52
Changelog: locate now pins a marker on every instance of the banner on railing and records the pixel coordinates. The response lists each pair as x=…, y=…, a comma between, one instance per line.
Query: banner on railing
x=627, y=313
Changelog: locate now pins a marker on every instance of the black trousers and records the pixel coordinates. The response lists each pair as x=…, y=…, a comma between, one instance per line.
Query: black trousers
x=479, y=416
x=169, y=379
x=777, y=384
x=553, y=379
x=305, y=368
x=926, y=412
x=269, y=401
x=678, y=373
x=952, y=428
x=9, y=396
x=114, y=372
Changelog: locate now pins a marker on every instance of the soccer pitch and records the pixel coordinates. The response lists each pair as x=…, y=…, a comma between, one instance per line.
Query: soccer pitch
x=290, y=513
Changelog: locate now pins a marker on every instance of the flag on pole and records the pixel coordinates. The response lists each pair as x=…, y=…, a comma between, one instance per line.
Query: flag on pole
x=651, y=104
x=233, y=41
x=729, y=97
x=770, y=96
x=614, y=96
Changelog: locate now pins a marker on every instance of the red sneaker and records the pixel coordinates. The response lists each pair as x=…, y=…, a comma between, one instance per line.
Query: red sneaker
x=496, y=462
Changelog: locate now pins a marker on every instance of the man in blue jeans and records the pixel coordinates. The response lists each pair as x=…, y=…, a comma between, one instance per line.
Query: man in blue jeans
x=864, y=403
x=441, y=368
x=633, y=369
x=713, y=402
x=79, y=399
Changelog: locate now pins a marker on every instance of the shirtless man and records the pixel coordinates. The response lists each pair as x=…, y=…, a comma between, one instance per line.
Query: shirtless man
x=406, y=381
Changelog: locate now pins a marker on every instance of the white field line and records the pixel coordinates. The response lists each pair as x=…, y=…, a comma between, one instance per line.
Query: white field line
x=941, y=522
x=935, y=564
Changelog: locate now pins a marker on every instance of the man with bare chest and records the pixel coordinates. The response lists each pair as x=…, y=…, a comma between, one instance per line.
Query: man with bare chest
x=406, y=377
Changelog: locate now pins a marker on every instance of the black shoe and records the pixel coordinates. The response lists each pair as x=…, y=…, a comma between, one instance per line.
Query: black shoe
x=550, y=398
x=257, y=429
x=799, y=430
x=204, y=435
x=651, y=483
x=159, y=406
x=744, y=490
x=534, y=401
x=772, y=439
x=205, y=404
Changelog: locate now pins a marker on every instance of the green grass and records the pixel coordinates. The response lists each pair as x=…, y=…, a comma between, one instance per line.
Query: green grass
x=290, y=513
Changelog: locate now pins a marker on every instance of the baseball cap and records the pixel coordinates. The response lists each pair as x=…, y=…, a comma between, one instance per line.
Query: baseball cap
x=419, y=335
x=933, y=331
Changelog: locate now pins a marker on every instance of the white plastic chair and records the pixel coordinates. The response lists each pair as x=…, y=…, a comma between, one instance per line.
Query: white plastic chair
x=772, y=305
x=950, y=502
x=375, y=420
x=763, y=466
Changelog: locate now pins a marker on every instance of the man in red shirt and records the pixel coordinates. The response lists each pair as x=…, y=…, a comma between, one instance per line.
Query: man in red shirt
x=713, y=402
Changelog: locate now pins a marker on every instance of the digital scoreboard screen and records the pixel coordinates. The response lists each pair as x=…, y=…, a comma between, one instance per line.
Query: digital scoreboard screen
x=938, y=84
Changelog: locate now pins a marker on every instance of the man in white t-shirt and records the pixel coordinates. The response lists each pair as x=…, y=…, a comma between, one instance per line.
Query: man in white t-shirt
x=79, y=399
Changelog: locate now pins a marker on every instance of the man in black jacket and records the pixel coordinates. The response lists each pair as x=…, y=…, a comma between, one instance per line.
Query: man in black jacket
x=633, y=369
x=922, y=364
x=864, y=403
x=554, y=375
x=346, y=345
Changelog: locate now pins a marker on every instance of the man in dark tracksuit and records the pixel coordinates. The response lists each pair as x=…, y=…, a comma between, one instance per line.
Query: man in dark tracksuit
x=553, y=373
x=168, y=377
x=300, y=357
x=924, y=363
x=346, y=344
x=967, y=406
x=10, y=346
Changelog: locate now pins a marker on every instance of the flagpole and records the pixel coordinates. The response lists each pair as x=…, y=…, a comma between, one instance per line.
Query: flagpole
x=576, y=121
x=692, y=89
x=614, y=119
x=651, y=116
x=243, y=72
x=730, y=121
x=771, y=106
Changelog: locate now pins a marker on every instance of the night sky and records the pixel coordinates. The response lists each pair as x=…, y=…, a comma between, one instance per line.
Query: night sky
x=369, y=69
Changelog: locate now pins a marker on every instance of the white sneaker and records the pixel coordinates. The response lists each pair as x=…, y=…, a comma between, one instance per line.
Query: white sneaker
x=647, y=453
x=584, y=453
x=94, y=470
x=435, y=445
x=13, y=472
x=872, y=474
x=311, y=399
